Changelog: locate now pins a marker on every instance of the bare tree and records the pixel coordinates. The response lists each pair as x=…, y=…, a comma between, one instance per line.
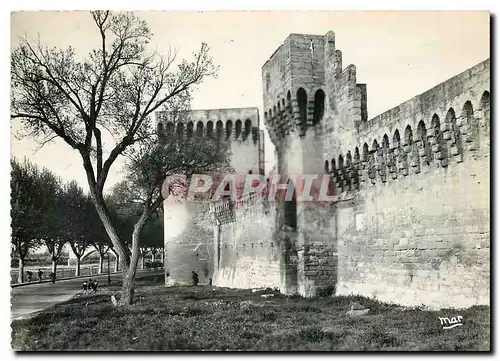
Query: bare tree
x=116, y=89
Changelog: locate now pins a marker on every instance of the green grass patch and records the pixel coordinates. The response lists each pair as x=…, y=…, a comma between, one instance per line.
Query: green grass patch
x=210, y=318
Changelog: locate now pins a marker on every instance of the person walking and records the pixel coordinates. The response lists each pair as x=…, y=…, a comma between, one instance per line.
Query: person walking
x=40, y=274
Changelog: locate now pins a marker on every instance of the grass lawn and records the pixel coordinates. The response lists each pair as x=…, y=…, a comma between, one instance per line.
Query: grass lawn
x=210, y=318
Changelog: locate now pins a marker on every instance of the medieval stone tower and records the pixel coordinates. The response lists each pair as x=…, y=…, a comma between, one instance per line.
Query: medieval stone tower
x=188, y=229
x=312, y=106
x=411, y=220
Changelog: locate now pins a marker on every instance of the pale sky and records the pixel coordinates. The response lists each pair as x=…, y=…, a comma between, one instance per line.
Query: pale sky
x=397, y=54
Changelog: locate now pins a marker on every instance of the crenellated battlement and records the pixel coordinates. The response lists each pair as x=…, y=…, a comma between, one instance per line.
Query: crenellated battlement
x=438, y=128
x=189, y=236
x=237, y=124
x=304, y=82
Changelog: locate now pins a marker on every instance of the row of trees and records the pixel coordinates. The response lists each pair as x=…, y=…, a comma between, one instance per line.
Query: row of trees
x=114, y=93
x=48, y=212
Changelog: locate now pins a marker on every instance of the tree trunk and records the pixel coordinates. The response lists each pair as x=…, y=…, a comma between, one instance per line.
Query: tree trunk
x=128, y=262
x=128, y=290
x=129, y=270
x=119, y=249
x=78, y=264
x=54, y=266
x=20, y=277
x=101, y=263
x=109, y=274
x=117, y=264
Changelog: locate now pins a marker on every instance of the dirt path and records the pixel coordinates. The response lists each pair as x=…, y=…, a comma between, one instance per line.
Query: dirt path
x=29, y=299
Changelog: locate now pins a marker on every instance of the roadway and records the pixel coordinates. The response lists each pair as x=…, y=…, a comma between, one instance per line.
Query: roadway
x=28, y=299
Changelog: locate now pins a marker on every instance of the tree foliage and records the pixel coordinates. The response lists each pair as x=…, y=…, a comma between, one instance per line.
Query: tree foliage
x=57, y=225
x=153, y=233
x=72, y=217
x=27, y=207
x=116, y=88
x=44, y=211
